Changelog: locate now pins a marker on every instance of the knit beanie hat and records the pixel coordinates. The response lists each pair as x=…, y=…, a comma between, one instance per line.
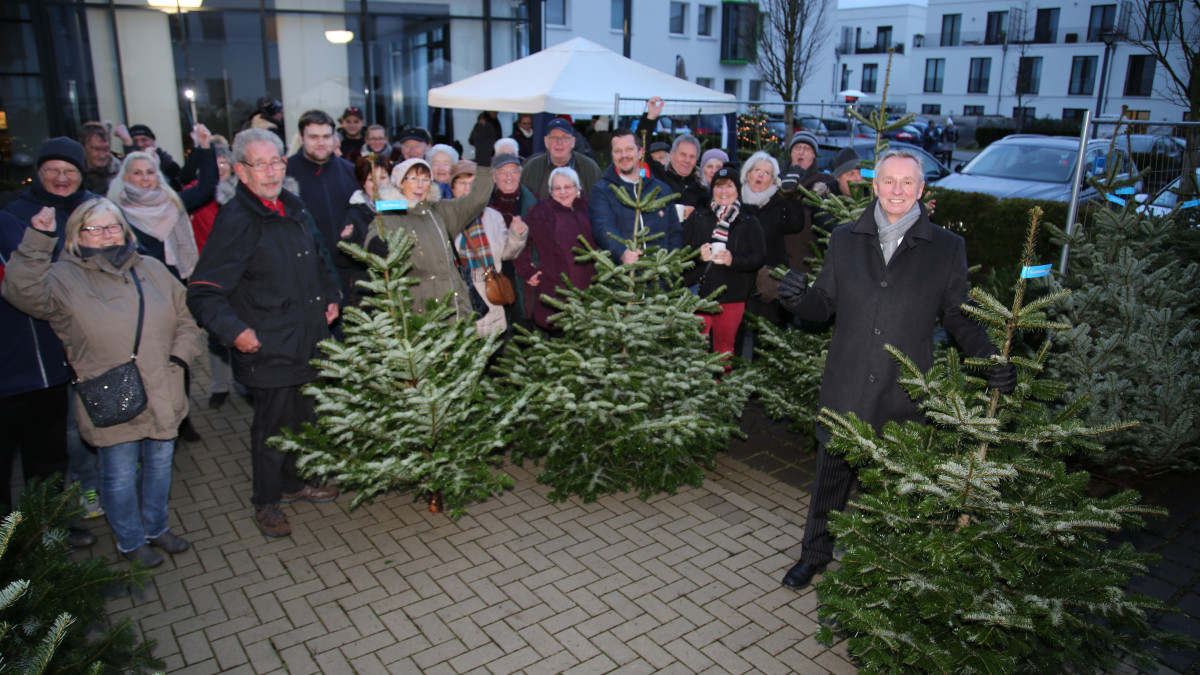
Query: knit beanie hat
x=141, y=130
x=727, y=172
x=402, y=168
x=66, y=149
x=715, y=153
x=845, y=161
x=803, y=136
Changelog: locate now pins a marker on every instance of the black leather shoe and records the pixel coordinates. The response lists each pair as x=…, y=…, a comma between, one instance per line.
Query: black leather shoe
x=78, y=537
x=801, y=575
x=217, y=399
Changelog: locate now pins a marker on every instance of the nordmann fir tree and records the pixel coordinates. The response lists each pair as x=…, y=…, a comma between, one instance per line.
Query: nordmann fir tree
x=973, y=549
x=631, y=397
x=790, y=362
x=1134, y=347
x=403, y=402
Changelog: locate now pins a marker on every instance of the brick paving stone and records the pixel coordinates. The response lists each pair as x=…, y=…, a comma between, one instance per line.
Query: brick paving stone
x=469, y=632
x=597, y=664
x=654, y=654
x=439, y=653
x=577, y=644
x=688, y=655
x=554, y=665
x=544, y=643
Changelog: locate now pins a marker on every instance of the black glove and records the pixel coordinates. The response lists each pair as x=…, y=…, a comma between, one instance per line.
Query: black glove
x=789, y=181
x=792, y=290
x=1003, y=377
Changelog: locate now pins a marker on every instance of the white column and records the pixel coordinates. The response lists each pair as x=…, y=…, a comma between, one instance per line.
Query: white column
x=314, y=73
x=148, y=71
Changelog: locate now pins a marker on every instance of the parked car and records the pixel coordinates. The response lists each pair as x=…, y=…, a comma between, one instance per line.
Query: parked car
x=865, y=148
x=1035, y=167
x=1166, y=200
x=909, y=133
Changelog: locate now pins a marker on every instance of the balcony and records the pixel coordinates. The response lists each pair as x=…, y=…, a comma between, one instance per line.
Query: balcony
x=879, y=49
x=1064, y=35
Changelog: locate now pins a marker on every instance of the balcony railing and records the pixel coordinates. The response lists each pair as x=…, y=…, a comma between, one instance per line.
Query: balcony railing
x=1064, y=35
x=880, y=49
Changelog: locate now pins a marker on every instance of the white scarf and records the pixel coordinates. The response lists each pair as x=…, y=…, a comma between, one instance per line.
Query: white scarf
x=156, y=214
x=758, y=198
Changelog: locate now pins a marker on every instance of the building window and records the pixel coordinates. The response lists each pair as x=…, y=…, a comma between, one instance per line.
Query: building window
x=973, y=110
x=705, y=82
x=1139, y=78
x=618, y=15
x=845, y=78
x=935, y=69
x=1046, y=29
x=739, y=32
x=1073, y=114
x=556, y=12
x=1029, y=75
x=704, y=20
x=1104, y=20
x=733, y=86
x=1083, y=75
x=980, y=76
x=883, y=38
x=678, y=18
x=951, y=30
x=1024, y=115
x=869, y=75
x=1160, y=19
x=931, y=109
x=756, y=90
x=997, y=28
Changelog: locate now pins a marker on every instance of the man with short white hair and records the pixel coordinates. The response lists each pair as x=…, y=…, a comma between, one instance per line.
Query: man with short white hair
x=264, y=286
x=506, y=146
x=681, y=172
x=560, y=151
x=886, y=278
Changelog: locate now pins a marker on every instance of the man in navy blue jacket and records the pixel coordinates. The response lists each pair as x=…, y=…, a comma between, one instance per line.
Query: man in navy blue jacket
x=326, y=183
x=610, y=216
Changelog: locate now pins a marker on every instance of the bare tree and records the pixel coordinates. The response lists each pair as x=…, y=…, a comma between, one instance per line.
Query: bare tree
x=793, y=34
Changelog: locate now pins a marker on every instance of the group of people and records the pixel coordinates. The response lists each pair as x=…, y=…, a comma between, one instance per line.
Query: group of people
x=241, y=243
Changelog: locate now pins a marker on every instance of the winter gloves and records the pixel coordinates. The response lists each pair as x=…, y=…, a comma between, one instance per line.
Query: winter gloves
x=792, y=290
x=1003, y=376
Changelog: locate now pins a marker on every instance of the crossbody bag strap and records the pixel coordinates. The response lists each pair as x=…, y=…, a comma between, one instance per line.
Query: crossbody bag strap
x=137, y=341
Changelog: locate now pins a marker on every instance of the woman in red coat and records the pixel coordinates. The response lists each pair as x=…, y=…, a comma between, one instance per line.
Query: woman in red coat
x=555, y=226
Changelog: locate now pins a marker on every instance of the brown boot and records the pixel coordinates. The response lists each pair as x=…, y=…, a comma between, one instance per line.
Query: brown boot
x=311, y=493
x=271, y=521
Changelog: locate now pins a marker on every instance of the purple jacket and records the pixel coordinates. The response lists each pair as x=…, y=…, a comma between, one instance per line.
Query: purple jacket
x=553, y=231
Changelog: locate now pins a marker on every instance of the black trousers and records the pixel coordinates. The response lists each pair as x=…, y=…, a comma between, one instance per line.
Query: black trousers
x=35, y=425
x=274, y=471
x=830, y=492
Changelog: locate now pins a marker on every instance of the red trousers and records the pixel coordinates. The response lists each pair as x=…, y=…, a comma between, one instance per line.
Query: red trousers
x=724, y=326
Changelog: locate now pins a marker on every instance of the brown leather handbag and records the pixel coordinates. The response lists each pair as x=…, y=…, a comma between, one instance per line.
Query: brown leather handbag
x=499, y=288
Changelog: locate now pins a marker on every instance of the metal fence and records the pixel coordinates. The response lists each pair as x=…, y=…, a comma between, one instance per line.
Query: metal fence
x=1159, y=150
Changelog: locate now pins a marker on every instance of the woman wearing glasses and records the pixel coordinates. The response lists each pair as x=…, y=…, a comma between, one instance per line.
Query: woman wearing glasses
x=435, y=222
x=761, y=198
x=91, y=297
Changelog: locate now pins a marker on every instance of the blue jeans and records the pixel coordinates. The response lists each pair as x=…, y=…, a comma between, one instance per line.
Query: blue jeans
x=135, y=497
x=82, y=465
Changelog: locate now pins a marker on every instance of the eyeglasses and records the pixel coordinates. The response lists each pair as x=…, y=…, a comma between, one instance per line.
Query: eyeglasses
x=760, y=172
x=563, y=138
x=261, y=167
x=507, y=173
x=564, y=188
x=55, y=173
x=97, y=230
x=418, y=180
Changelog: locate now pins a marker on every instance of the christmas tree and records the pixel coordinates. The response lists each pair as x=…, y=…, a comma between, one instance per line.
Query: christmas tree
x=404, y=401
x=753, y=132
x=1134, y=348
x=52, y=608
x=973, y=548
x=631, y=397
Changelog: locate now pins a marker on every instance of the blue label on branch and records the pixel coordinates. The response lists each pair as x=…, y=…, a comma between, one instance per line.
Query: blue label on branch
x=1190, y=204
x=867, y=173
x=1035, y=271
x=1125, y=191
x=1116, y=200
x=392, y=205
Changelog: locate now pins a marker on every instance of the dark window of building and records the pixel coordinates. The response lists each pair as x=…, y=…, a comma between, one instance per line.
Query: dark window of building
x=931, y=109
x=756, y=90
x=678, y=24
x=739, y=32
x=617, y=13
x=883, y=38
x=1160, y=19
x=704, y=20
x=1046, y=29
x=1024, y=115
x=1073, y=114
x=556, y=12
x=845, y=78
x=980, y=76
x=935, y=69
x=997, y=28
x=869, y=75
x=1029, y=75
x=1083, y=75
x=973, y=110
x=212, y=26
x=951, y=30
x=1139, y=78
x=1104, y=19
x=733, y=86
x=705, y=82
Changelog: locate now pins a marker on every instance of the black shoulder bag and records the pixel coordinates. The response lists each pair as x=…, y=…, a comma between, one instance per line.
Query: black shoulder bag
x=117, y=395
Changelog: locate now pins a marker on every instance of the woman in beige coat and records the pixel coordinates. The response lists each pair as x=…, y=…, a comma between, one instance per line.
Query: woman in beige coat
x=90, y=298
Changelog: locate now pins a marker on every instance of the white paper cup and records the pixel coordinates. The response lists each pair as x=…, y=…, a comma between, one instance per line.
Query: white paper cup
x=717, y=246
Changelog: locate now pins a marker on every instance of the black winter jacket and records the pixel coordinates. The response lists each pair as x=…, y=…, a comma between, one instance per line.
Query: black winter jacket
x=746, y=245
x=326, y=190
x=896, y=304
x=267, y=272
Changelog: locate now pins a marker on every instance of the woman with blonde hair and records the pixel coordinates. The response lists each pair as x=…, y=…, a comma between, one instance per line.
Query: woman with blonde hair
x=105, y=301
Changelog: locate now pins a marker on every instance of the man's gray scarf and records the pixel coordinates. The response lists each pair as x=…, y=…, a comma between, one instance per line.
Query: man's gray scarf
x=890, y=234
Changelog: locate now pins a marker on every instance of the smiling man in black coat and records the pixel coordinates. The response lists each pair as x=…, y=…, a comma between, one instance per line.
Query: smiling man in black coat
x=885, y=279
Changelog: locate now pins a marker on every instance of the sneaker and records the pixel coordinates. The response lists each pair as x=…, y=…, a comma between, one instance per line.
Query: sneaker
x=170, y=543
x=91, y=504
x=271, y=521
x=310, y=493
x=145, y=555
x=79, y=537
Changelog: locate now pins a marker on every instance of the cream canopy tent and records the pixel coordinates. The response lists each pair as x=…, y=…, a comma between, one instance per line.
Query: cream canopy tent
x=576, y=77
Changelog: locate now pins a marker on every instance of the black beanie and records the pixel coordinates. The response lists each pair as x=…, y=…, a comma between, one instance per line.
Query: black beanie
x=66, y=149
x=141, y=130
x=845, y=161
x=727, y=172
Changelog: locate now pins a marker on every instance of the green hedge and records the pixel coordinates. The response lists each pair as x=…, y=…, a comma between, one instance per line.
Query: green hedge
x=994, y=229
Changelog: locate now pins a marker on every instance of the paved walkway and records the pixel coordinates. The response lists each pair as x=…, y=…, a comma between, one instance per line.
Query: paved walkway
x=680, y=584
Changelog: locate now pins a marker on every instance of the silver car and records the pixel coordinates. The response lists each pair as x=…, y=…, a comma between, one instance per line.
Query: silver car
x=1036, y=167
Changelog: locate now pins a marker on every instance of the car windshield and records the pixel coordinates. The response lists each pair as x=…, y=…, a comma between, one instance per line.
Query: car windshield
x=1170, y=194
x=1024, y=162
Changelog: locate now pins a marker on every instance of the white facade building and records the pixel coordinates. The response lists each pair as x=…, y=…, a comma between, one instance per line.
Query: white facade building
x=862, y=38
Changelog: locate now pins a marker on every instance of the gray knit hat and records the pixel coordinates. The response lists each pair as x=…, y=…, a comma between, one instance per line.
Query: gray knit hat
x=803, y=136
x=845, y=162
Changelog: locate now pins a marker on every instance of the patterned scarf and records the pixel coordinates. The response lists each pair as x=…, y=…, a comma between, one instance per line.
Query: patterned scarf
x=725, y=217
x=506, y=204
x=475, y=246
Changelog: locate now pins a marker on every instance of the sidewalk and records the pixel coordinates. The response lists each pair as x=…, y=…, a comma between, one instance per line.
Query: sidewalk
x=680, y=584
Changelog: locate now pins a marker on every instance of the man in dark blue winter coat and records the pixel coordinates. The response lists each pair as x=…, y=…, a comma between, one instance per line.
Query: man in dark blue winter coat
x=609, y=216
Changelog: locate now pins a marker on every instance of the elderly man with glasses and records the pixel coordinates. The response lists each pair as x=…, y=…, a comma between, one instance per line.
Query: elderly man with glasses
x=266, y=286
x=560, y=151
